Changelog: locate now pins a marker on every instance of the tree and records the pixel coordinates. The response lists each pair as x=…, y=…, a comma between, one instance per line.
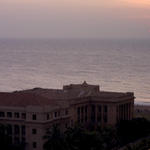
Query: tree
x=6, y=140
x=131, y=130
x=79, y=138
x=110, y=137
x=54, y=139
x=3, y=137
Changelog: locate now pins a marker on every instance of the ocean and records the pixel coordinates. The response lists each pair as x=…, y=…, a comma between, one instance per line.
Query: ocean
x=116, y=65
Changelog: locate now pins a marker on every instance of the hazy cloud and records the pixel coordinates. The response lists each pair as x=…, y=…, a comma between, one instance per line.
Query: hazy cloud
x=74, y=18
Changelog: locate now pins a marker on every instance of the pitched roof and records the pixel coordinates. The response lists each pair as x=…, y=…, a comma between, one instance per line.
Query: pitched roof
x=24, y=99
x=60, y=97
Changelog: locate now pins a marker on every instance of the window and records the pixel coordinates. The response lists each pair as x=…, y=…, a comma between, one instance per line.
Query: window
x=34, y=144
x=9, y=129
x=34, y=117
x=66, y=112
x=9, y=114
x=17, y=115
x=99, y=108
x=9, y=140
x=59, y=114
x=82, y=109
x=78, y=114
x=93, y=108
x=23, y=115
x=23, y=140
x=71, y=122
x=105, y=108
x=51, y=115
x=78, y=110
x=85, y=113
x=85, y=118
x=23, y=130
x=105, y=118
x=55, y=114
x=2, y=130
x=47, y=117
x=85, y=109
x=34, y=131
x=16, y=140
x=99, y=117
x=93, y=113
x=16, y=129
x=2, y=114
x=105, y=114
x=66, y=125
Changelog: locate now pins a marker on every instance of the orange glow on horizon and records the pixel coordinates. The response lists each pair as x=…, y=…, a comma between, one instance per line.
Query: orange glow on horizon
x=138, y=2
x=80, y=2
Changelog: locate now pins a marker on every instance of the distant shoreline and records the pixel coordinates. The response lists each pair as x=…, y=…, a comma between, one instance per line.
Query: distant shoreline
x=142, y=103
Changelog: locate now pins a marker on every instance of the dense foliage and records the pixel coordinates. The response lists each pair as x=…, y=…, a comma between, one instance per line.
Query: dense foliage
x=129, y=131
x=78, y=138
x=139, y=145
x=5, y=140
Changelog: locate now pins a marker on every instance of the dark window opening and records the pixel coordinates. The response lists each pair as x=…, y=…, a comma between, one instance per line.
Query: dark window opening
x=66, y=125
x=85, y=113
x=34, y=117
x=58, y=113
x=17, y=115
x=78, y=114
x=85, y=109
x=71, y=122
x=82, y=119
x=82, y=110
x=23, y=140
x=23, y=115
x=99, y=108
x=9, y=114
x=66, y=112
x=47, y=117
x=16, y=130
x=9, y=129
x=93, y=113
x=78, y=110
x=93, y=108
x=34, y=131
x=99, y=118
x=9, y=140
x=105, y=108
x=105, y=118
x=85, y=118
x=34, y=144
x=55, y=114
x=2, y=114
x=23, y=130
x=16, y=140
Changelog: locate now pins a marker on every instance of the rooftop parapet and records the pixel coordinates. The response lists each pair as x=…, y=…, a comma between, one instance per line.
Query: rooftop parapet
x=81, y=87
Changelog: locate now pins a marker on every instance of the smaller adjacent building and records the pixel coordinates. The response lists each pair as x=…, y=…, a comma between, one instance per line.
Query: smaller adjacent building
x=29, y=113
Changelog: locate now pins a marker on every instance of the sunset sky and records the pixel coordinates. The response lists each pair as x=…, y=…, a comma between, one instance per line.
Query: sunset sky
x=75, y=18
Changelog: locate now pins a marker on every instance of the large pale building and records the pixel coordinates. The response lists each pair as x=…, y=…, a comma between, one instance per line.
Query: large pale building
x=29, y=113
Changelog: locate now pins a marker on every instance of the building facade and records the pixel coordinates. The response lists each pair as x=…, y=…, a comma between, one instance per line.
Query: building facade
x=29, y=113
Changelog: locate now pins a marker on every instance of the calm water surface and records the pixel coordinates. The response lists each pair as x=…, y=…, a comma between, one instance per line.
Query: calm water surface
x=117, y=65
